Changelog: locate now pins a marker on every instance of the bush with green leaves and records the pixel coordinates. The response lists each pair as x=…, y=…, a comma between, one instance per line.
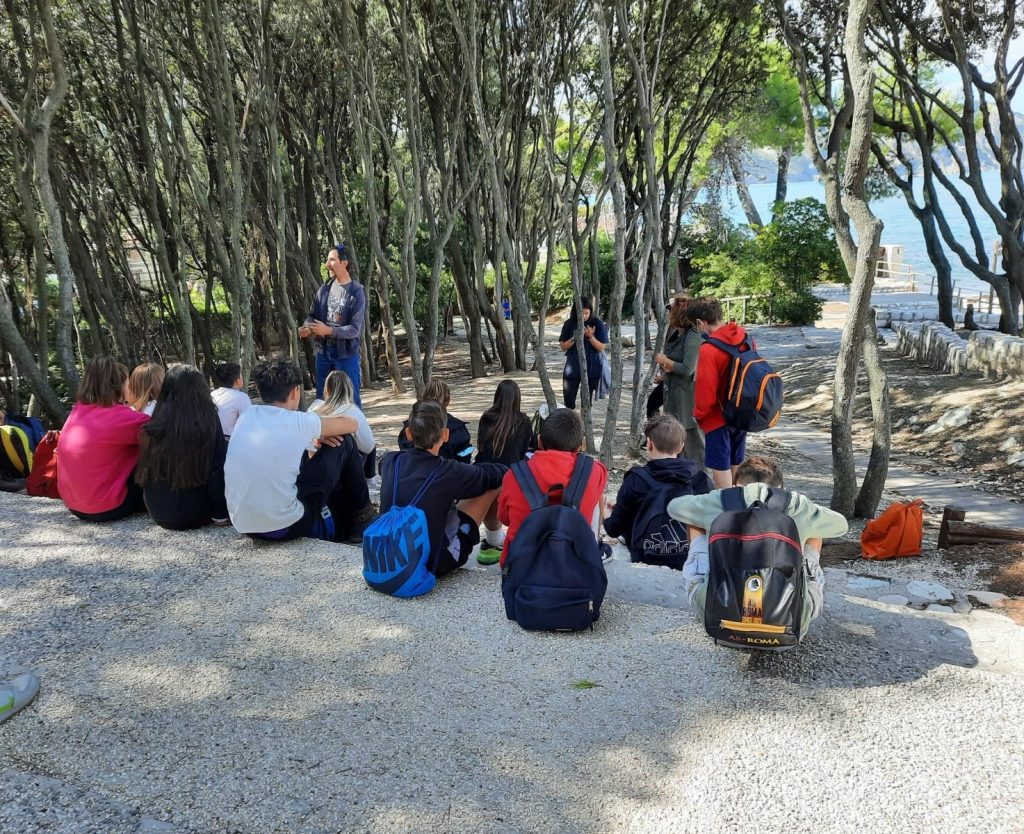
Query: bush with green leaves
x=800, y=244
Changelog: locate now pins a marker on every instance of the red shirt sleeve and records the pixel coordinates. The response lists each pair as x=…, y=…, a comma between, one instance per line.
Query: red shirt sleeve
x=705, y=388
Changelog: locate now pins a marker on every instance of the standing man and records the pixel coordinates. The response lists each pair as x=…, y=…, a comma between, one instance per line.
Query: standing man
x=336, y=321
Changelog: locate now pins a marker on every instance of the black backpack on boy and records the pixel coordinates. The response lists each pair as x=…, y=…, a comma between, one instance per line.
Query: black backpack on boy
x=756, y=576
x=657, y=538
x=553, y=578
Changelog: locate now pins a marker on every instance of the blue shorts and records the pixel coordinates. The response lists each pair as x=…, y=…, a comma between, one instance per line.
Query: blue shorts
x=724, y=448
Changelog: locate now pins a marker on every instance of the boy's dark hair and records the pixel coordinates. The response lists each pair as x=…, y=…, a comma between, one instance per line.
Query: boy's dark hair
x=226, y=373
x=275, y=379
x=427, y=423
x=103, y=382
x=562, y=431
x=707, y=308
x=438, y=391
x=666, y=434
x=759, y=470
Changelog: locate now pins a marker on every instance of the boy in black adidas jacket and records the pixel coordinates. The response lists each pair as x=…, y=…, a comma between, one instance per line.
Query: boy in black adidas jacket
x=665, y=439
x=458, y=496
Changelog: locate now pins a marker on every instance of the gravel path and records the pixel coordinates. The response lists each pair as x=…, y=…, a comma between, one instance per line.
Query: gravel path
x=199, y=682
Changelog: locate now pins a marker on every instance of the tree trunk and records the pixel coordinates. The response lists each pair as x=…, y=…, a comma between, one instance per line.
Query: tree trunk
x=782, y=178
x=878, y=463
x=734, y=156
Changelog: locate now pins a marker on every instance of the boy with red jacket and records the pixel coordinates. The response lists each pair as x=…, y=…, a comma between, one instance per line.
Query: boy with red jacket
x=562, y=438
x=725, y=447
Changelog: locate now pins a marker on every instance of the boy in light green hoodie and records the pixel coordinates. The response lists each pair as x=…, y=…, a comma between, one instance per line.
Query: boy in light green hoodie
x=757, y=476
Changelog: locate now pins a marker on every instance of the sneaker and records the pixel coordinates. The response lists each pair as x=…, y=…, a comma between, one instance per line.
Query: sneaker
x=365, y=518
x=221, y=522
x=16, y=694
x=606, y=553
x=489, y=554
x=373, y=484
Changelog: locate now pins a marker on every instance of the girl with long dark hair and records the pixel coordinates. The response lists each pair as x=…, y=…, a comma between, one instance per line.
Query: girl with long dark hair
x=594, y=333
x=504, y=437
x=181, y=464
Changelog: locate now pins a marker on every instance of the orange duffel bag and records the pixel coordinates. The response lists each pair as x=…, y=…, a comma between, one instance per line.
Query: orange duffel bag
x=896, y=532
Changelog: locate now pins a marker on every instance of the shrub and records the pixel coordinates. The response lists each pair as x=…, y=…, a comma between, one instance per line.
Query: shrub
x=800, y=245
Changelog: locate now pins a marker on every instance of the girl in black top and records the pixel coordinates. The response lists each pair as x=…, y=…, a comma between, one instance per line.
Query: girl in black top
x=182, y=450
x=504, y=436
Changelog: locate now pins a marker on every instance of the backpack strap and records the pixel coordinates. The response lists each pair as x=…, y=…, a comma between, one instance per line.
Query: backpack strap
x=572, y=495
x=528, y=484
x=733, y=500
x=426, y=484
x=732, y=350
x=778, y=499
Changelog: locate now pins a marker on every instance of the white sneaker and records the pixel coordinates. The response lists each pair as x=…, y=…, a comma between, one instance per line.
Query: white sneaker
x=373, y=484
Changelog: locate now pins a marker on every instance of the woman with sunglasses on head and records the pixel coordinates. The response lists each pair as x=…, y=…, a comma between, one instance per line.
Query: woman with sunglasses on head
x=336, y=322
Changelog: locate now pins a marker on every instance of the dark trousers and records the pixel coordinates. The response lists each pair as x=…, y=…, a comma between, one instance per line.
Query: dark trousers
x=133, y=503
x=332, y=478
x=571, y=387
x=656, y=400
x=370, y=463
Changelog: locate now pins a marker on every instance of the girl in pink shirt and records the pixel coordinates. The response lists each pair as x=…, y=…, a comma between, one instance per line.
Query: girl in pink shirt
x=99, y=447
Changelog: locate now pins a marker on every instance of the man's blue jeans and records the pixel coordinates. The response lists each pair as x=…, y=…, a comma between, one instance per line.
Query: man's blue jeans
x=327, y=361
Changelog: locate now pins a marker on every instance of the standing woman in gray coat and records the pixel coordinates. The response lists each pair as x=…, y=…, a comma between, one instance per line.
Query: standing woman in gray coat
x=679, y=365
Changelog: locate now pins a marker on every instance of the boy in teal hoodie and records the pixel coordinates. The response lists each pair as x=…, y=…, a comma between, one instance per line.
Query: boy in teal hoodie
x=758, y=476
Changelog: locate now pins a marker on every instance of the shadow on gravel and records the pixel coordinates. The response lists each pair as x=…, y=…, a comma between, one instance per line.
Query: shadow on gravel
x=858, y=645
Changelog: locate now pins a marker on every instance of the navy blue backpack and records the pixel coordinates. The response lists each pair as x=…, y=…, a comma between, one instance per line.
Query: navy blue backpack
x=396, y=546
x=756, y=581
x=753, y=393
x=553, y=578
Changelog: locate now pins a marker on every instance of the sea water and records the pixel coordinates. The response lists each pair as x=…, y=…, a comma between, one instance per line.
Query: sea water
x=901, y=227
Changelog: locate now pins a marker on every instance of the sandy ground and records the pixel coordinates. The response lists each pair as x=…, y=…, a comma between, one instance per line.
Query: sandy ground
x=199, y=682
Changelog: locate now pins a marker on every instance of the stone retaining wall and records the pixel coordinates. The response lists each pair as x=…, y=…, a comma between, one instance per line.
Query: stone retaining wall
x=932, y=343
x=986, y=352
x=996, y=355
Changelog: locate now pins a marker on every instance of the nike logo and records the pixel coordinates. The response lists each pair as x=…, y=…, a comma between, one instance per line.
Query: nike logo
x=8, y=705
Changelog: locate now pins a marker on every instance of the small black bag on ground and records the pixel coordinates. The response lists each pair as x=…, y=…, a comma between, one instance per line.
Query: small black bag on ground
x=553, y=578
x=756, y=579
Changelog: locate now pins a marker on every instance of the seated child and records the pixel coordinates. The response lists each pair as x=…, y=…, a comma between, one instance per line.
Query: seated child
x=458, y=446
x=182, y=450
x=339, y=400
x=275, y=488
x=229, y=396
x=144, y=387
x=459, y=493
x=757, y=476
x=99, y=446
x=680, y=476
x=561, y=440
x=506, y=435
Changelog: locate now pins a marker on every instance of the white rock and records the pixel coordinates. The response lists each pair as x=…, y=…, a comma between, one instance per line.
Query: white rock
x=824, y=388
x=1009, y=444
x=996, y=414
x=959, y=448
x=866, y=583
x=1016, y=459
x=149, y=825
x=940, y=609
x=989, y=599
x=914, y=419
x=952, y=419
x=929, y=591
x=894, y=599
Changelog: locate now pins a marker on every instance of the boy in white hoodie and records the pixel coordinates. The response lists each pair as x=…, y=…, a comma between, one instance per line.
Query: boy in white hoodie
x=757, y=476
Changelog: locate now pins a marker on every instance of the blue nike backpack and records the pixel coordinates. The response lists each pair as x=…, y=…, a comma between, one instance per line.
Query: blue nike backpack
x=32, y=426
x=553, y=578
x=396, y=546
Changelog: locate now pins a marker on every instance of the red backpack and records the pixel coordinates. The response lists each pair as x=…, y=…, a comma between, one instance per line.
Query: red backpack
x=42, y=480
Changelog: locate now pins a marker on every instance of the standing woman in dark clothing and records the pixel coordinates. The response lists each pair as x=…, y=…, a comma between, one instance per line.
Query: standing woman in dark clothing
x=182, y=450
x=336, y=321
x=594, y=332
x=679, y=365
